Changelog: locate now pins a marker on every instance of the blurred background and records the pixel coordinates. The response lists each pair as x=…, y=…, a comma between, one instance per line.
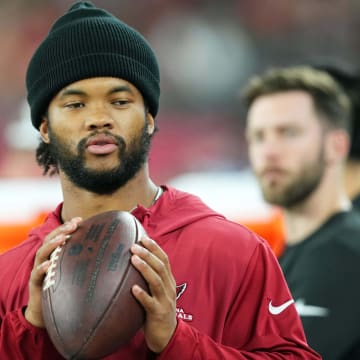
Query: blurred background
x=207, y=50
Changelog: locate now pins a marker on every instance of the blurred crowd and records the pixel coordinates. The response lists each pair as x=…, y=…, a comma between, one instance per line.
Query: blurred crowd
x=206, y=49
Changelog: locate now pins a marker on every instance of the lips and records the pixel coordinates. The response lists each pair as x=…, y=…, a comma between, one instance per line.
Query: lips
x=272, y=173
x=101, y=144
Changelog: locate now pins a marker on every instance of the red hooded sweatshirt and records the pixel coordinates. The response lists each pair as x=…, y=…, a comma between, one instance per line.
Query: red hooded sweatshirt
x=232, y=299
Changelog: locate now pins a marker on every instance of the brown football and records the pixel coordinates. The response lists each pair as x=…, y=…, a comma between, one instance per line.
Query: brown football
x=88, y=308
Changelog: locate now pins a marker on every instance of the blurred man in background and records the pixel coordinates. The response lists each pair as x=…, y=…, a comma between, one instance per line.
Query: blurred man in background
x=348, y=77
x=298, y=137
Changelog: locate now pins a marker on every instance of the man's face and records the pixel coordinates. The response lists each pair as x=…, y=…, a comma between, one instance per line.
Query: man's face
x=99, y=132
x=286, y=146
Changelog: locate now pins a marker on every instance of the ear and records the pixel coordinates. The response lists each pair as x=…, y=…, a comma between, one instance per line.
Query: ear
x=150, y=123
x=44, y=130
x=337, y=145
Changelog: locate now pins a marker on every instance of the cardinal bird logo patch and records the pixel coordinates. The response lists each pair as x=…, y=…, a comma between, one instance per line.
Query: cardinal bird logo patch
x=180, y=290
x=180, y=312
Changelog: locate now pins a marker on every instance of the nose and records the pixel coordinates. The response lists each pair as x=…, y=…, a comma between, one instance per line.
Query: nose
x=268, y=146
x=98, y=119
x=272, y=148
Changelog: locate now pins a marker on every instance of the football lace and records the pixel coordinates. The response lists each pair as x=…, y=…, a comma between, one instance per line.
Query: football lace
x=50, y=273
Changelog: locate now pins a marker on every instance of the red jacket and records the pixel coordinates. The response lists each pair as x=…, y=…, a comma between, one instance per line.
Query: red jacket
x=228, y=282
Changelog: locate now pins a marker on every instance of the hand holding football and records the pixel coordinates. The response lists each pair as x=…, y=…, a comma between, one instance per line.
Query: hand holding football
x=88, y=308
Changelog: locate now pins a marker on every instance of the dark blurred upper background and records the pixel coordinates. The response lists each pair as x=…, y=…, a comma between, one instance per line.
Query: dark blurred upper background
x=206, y=49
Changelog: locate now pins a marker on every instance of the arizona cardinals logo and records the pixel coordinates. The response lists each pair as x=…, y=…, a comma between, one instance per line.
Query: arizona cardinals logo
x=180, y=290
x=181, y=313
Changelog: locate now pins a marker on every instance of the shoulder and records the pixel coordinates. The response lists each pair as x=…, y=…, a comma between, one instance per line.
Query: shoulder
x=346, y=233
x=224, y=242
x=340, y=233
x=192, y=215
x=219, y=227
x=182, y=222
x=331, y=253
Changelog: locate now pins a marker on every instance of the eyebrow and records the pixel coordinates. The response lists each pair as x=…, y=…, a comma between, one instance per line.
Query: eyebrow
x=121, y=88
x=68, y=92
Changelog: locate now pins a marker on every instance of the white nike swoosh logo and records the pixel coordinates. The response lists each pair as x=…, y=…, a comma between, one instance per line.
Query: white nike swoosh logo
x=276, y=310
x=310, y=310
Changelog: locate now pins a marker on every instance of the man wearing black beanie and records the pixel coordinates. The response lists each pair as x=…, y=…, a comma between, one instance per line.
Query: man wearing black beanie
x=215, y=289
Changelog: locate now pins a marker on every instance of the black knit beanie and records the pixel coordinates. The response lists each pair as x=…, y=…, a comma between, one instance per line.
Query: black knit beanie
x=90, y=42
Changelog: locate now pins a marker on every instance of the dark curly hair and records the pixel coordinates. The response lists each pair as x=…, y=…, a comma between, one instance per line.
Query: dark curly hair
x=46, y=159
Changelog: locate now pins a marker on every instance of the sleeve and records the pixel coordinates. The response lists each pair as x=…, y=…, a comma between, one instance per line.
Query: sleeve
x=262, y=322
x=21, y=340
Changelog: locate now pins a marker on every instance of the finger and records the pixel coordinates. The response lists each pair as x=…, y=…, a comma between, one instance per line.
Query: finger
x=66, y=228
x=43, y=258
x=33, y=312
x=157, y=251
x=157, y=282
x=47, y=248
x=159, y=254
x=146, y=300
x=56, y=238
x=150, y=258
x=39, y=271
x=152, y=277
x=154, y=248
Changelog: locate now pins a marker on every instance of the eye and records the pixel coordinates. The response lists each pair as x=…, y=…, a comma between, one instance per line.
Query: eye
x=120, y=102
x=290, y=131
x=74, y=105
x=255, y=137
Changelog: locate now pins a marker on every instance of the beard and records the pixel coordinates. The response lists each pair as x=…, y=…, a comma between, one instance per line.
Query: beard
x=299, y=188
x=132, y=157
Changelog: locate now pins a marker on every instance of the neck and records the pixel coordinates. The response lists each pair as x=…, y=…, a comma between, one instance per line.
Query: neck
x=302, y=219
x=351, y=178
x=82, y=203
x=301, y=223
